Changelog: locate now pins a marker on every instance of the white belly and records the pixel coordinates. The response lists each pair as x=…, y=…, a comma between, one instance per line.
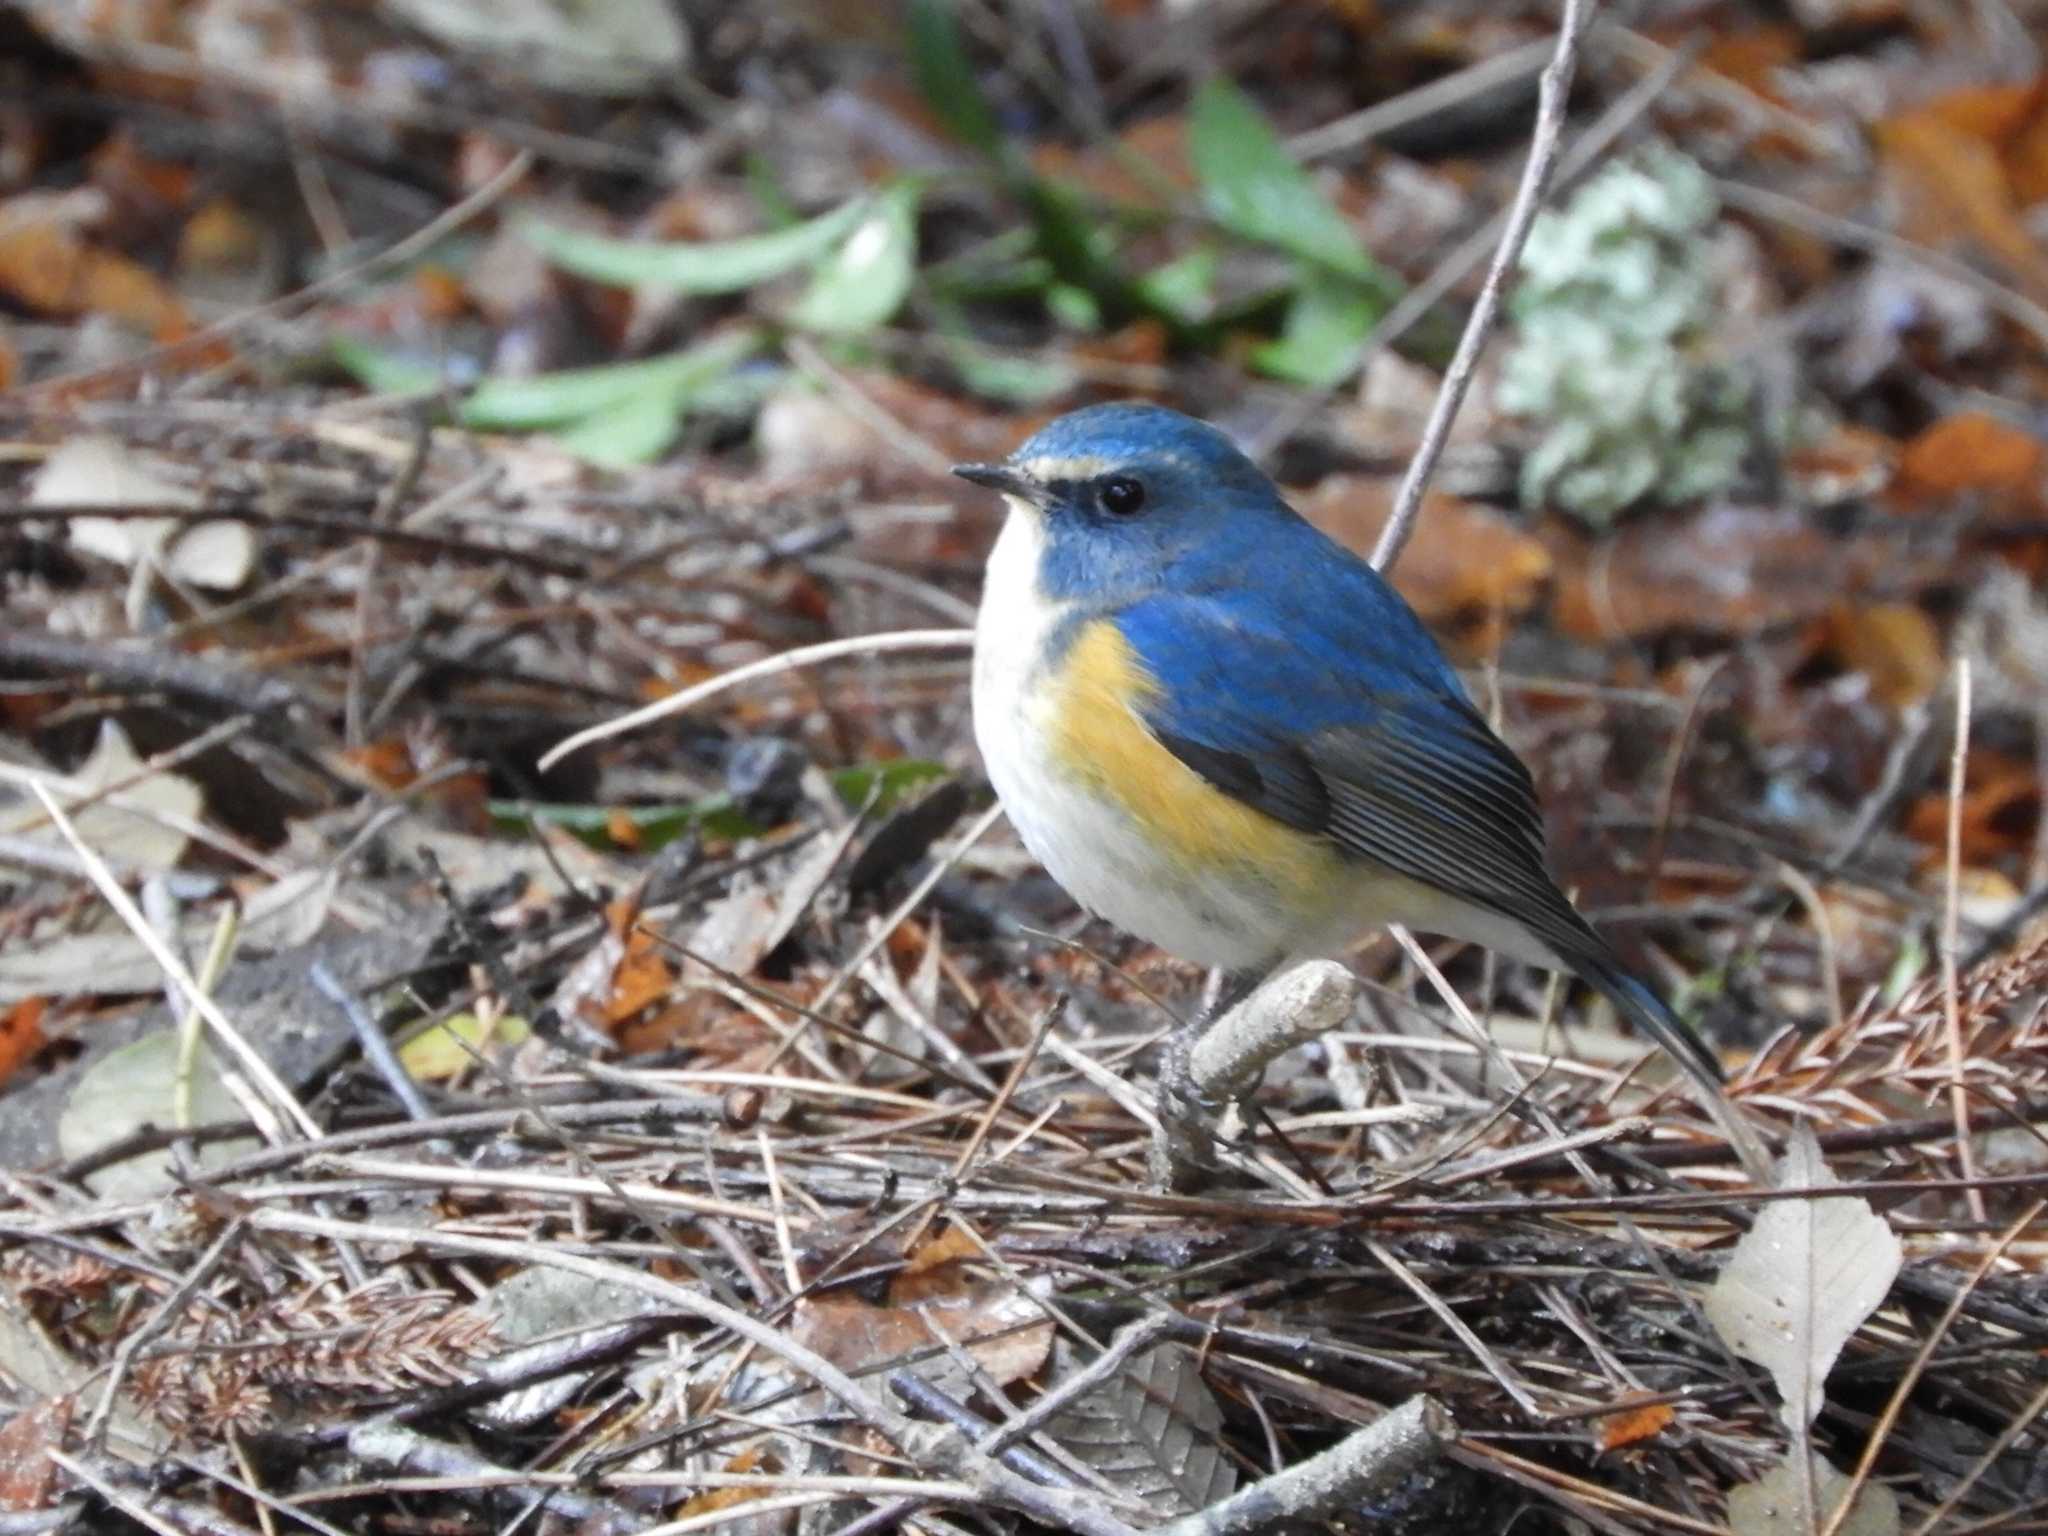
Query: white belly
x=1084, y=841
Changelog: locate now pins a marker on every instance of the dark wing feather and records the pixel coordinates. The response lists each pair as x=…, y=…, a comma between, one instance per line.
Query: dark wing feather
x=1423, y=789
x=1359, y=732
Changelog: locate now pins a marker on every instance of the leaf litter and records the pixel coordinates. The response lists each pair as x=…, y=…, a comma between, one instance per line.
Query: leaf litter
x=294, y=609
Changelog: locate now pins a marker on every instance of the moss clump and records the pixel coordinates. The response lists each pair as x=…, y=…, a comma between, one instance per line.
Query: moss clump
x=1616, y=299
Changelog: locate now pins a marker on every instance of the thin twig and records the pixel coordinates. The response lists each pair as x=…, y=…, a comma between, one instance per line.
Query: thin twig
x=1553, y=96
x=1471, y=250
x=345, y=280
x=768, y=666
x=1378, y=1456
x=259, y=1070
x=1951, y=941
x=375, y=1043
x=945, y=1450
x=1457, y=1328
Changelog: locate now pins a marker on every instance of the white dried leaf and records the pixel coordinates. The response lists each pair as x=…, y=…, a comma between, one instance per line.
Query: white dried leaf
x=105, y=963
x=1802, y=1280
x=605, y=47
x=135, y=1087
x=102, y=471
x=142, y=831
x=218, y=556
x=1776, y=1504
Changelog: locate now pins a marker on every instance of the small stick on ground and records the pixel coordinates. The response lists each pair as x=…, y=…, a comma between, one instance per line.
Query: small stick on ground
x=1951, y=944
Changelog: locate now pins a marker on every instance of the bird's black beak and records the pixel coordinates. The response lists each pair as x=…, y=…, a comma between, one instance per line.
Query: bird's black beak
x=1001, y=477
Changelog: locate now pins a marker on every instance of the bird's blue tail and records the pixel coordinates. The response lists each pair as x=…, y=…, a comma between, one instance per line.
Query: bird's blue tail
x=1651, y=1014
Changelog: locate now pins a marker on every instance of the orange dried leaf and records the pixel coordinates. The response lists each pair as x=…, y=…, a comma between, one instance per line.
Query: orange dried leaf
x=440, y=293
x=387, y=763
x=945, y=1252
x=219, y=236
x=621, y=914
x=2026, y=153
x=1752, y=57
x=1467, y=569
x=1633, y=1424
x=1993, y=113
x=50, y=270
x=21, y=1034
x=621, y=828
x=2000, y=809
x=1954, y=181
x=1972, y=454
x=28, y=1478
x=753, y=1459
x=120, y=166
x=1895, y=645
x=712, y=1500
x=642, y=977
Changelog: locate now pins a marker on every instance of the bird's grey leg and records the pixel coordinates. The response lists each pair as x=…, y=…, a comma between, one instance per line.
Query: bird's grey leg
x=1187, y=1116
x=1175, y=1076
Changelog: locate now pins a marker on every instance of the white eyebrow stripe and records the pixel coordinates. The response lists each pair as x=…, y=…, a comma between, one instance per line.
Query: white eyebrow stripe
x=1047, y=468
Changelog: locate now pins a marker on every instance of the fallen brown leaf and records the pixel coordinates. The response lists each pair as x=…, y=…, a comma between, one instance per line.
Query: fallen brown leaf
x=1721, y=570
x=1004, y=1330
x=1468, y=570
x=1954, y=180
x=21, y=1034
x=28, y=1478
x=2001, y=807
x=52, y=270
x=1633, y=1424
x=1895, y=645
x=1971, y=454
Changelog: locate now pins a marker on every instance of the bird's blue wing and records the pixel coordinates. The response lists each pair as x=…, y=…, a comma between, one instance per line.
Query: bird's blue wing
x=1328, y=707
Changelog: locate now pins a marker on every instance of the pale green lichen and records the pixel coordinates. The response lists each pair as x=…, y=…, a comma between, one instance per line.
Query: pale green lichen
x=1613, y=309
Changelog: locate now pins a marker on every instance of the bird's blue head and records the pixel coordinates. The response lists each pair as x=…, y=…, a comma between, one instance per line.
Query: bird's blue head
x=1132, y=497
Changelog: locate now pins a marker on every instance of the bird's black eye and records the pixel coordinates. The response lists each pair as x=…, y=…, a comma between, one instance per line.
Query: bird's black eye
x=1122, y=496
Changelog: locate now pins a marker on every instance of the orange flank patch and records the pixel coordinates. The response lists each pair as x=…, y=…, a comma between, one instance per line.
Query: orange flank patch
x=1100, y=740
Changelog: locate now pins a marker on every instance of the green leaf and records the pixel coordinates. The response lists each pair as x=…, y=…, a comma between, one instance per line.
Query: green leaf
x=717, y=815
x=1013, y=379
x=702, y=266
x=654, y=825
x=885, y=782
x=1073, y=307
x=945, y=76
x=621, y=413
x=1326, y=320
x=437, y=1053
x=554, y=399
x=1072, y=237
x=863, y=283
x=637, y=430
x=383, y=373
x=1185, y=286
x=1254, y=188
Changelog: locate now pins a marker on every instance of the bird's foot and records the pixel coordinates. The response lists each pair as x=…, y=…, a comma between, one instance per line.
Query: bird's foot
x=1184, y=1152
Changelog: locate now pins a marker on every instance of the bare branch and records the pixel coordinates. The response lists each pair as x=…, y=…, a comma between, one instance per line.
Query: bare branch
x=1553, y=94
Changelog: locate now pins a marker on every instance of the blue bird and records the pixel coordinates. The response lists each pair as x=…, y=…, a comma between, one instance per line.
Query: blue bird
x=1224, y=732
